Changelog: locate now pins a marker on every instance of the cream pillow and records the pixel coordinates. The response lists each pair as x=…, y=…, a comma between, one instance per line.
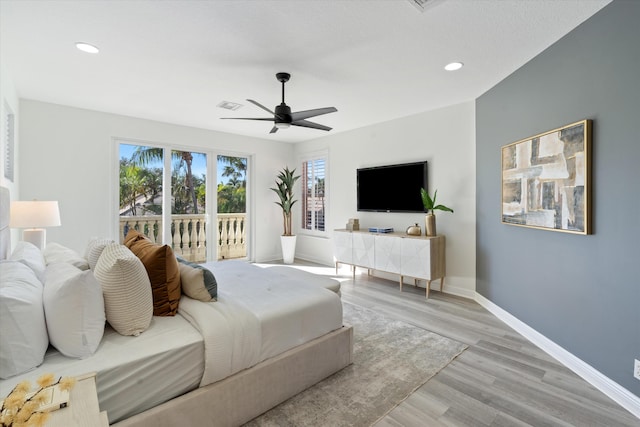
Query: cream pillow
x=126, y=288
x=74, y=310
x=29, y=254
x=55, y=252
x=23, y=333
x=94, y=249
x=198, y=282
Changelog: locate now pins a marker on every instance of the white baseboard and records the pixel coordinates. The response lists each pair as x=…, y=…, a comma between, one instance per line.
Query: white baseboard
x=615, y=391
x=455, y=290
x=315, y=260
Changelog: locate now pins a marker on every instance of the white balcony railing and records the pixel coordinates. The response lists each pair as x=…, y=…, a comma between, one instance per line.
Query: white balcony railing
x=188, y=234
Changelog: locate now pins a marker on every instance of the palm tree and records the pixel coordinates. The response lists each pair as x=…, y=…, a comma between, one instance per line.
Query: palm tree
x=145, y=155
x=232, y=194
x=132, y=186
x=236, y=167
x=153, y=183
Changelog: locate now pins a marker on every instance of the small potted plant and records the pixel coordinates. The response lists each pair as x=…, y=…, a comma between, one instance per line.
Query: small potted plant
x=429, y=207
x=284, y=189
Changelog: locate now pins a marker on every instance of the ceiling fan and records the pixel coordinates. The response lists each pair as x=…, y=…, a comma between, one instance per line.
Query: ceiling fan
x=283, y=117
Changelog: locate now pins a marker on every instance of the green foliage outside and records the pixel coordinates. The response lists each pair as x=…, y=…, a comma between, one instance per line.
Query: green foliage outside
x=141, y=184
x=232, y=195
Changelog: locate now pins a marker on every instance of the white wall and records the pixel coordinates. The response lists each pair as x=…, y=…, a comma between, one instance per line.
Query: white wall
x=446, y=139
x=67, y=155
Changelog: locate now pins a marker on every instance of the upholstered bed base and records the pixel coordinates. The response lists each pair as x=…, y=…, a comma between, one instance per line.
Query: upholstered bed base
x=249, y=393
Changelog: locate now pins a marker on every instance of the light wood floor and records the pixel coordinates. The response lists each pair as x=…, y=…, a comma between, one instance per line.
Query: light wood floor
x=502, y=379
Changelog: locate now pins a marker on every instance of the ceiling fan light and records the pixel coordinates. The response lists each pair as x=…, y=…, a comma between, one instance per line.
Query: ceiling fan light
x=282, y=125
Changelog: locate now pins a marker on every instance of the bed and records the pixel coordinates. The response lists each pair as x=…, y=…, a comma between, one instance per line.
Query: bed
x=269, y=336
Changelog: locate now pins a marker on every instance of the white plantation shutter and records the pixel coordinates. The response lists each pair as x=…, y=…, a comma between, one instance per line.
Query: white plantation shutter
x=314, y=192
x=9, y=142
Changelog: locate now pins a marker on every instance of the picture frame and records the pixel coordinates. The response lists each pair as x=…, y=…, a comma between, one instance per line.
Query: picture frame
x=546, y=180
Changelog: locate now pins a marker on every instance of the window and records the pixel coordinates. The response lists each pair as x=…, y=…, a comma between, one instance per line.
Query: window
x=314, y=194
x=163, y=194
x=9, y=137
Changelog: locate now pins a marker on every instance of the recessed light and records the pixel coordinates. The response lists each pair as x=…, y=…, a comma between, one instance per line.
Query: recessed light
x=453, y=66
x=86, y=47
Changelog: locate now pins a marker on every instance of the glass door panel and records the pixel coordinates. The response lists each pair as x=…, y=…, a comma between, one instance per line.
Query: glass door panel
x=141, y=172
x=188, y=205
x=232, y=207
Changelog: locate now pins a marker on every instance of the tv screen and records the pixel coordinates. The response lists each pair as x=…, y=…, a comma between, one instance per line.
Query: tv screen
x=392, y=188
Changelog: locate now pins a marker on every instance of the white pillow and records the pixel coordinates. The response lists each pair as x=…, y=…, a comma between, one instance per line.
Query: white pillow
x=23, y=339
x=94, y=248
x=29, y=254
x=55, y=252
x=128, y=301
x=74, y=310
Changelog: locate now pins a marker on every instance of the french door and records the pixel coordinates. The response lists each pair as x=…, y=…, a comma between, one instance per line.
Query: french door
x=163, y=193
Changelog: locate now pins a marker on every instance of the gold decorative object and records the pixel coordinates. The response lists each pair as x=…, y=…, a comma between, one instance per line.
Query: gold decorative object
x=430, y=224
x=430, y=206
x=414, y=230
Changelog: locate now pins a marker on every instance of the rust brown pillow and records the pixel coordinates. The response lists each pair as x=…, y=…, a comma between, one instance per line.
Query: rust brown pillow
x=162, y=268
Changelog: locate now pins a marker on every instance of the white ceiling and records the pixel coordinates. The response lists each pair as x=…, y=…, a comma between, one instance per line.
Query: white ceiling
x=174, y=61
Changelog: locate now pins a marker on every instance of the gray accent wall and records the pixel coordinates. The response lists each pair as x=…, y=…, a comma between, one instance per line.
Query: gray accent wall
x=581, y=292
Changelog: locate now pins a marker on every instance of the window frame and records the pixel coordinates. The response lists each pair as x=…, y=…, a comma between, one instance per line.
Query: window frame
x=305, y=159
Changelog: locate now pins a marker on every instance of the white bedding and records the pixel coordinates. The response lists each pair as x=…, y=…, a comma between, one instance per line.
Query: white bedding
x=133, y=373
x=259, y=314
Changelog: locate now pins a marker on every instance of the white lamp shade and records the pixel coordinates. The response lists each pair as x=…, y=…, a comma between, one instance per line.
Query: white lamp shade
x=34, y=214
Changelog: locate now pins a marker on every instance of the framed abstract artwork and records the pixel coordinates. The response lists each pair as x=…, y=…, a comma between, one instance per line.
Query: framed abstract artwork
x=546, y=180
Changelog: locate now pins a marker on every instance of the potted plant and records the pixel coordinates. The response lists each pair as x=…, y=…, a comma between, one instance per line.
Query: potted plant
x=285, y=181
x=429, y=207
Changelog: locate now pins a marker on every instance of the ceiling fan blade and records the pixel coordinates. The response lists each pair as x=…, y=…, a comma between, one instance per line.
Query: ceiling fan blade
x=308, y=124
x=301, y=115
x=274, y=130
x=257, y=104
x=270, y=119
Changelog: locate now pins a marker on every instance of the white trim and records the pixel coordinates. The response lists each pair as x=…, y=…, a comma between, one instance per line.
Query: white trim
x=615, y=391
x=453, y=290
x=167, y=196
x=211, y=199
x=114, y=183
x=250, y=207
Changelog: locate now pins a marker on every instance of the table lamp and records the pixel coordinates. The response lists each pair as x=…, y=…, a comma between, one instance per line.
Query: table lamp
x=33, y=216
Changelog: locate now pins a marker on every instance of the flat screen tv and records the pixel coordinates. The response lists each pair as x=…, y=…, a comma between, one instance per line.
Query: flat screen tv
x=392, y=188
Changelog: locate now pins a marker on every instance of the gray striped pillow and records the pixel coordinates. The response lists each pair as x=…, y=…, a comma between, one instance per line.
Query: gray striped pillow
x=128, y=301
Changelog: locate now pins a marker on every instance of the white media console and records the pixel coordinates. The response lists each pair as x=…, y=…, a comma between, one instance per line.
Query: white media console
x=418, y=257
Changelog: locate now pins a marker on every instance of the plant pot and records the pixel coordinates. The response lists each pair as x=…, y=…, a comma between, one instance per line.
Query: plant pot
x=288, y=244
x=430, y=225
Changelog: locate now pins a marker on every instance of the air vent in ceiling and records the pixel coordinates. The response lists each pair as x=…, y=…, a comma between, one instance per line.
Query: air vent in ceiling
x=227, y=105
x=423, y=5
